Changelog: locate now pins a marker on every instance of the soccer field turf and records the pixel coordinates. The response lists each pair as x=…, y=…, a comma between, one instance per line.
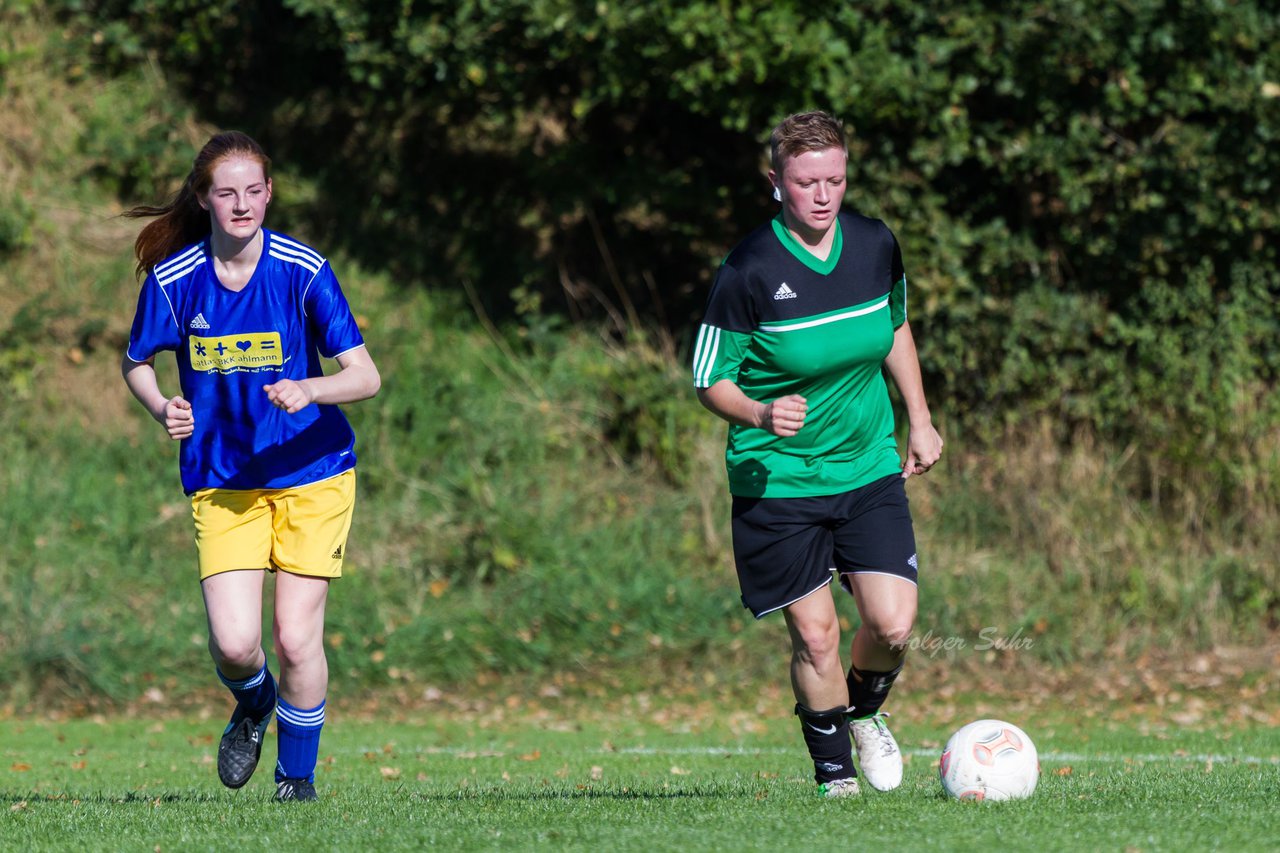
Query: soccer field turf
x=735, y=783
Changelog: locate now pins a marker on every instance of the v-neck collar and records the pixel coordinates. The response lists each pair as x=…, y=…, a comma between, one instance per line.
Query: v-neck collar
x=802, y=253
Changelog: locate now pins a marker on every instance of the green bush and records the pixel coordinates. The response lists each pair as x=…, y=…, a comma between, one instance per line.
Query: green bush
x=137, y=141
x=1059, y=178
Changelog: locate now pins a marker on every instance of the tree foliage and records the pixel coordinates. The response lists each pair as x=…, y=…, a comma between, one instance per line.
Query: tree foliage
x=1085, y=191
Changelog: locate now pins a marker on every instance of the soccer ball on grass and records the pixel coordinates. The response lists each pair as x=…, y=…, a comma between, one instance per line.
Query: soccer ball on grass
x=989, y=760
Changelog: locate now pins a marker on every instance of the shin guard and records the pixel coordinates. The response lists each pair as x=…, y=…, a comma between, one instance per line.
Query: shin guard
x=826, y=733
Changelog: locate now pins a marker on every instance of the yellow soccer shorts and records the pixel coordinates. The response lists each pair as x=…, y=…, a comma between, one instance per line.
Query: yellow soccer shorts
x=301, y=530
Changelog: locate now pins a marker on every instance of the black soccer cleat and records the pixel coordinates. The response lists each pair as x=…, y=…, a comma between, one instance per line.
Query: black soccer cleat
x=239, y=750
x=295, y=791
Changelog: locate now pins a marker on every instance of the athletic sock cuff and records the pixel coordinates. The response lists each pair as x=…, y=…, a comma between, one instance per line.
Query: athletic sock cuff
x=890, y=674
x=302, y=718
x=837, y=713
x=246, y=683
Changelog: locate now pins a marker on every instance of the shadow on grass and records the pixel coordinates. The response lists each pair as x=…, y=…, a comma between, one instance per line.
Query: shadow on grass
x=114, y=799
x=585, y=793
x=490, y=795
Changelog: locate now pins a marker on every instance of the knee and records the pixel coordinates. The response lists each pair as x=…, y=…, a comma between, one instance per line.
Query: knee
x=892, y=629
x=296, y=647
x=892, y=633
x=819, y=644
x=235, y=654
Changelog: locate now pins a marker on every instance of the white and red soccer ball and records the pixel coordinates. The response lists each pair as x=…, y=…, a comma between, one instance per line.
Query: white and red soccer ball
x=989, y=760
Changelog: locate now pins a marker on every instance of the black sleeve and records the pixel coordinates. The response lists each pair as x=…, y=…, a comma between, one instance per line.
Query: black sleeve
x=731, y=306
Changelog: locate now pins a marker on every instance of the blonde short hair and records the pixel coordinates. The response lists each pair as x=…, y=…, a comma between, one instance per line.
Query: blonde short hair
x=803, y=132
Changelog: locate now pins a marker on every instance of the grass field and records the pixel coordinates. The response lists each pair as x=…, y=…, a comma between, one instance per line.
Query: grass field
x=658, y=779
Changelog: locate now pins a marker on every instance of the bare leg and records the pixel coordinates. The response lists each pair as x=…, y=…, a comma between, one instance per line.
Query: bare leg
x=299, y=637
x=233, y=604
x=888, y=608
x=887, y=605
x=816, y=674
x=822, y=695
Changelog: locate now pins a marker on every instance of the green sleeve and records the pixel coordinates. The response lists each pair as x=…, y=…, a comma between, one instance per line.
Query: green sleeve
x=898, y=302
x=717, y=355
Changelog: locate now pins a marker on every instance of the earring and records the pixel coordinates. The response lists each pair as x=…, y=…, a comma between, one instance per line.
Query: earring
x=777, y=193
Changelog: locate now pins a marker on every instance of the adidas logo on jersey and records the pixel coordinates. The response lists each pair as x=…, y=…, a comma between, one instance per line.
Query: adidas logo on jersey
x=784, y=292
x=199, y=322
x=337, y=553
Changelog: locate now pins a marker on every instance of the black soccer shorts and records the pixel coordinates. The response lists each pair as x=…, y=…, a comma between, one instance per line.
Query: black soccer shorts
x=786, y=548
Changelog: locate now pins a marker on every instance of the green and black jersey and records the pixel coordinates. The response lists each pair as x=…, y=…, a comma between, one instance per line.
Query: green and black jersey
x=779, y=321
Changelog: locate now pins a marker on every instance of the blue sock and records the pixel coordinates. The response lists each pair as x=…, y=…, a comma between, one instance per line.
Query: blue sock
x=298, y=734
x=255, y=695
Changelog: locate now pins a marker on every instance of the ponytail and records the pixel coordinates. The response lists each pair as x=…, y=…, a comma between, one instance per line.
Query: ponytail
x=182, y=221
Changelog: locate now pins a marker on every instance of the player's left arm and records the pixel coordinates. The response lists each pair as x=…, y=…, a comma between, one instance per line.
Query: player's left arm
x=357, y=379
x=924, y=445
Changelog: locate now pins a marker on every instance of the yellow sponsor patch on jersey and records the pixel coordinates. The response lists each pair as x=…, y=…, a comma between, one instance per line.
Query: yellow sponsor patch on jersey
x=236, y=352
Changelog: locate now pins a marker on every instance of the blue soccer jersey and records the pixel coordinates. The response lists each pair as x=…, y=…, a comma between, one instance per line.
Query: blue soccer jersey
x=229, y=344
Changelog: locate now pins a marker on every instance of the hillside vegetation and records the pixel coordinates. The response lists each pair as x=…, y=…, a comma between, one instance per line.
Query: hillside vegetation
x=1085, y=191
x=542, y=499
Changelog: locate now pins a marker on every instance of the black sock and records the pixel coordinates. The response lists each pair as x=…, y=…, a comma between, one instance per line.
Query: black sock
x=868, y=690
x=826, y=733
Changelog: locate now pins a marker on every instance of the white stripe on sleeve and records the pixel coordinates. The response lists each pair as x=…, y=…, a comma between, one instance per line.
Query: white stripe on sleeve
x=704, y=356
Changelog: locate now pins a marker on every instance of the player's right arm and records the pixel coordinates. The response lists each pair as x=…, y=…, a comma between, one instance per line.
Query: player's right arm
x=174, y=413
x=723, y=341
x=783, y=416
x=156, y=328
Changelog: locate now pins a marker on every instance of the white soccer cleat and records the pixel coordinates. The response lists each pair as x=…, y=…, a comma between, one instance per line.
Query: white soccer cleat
x=839, y=788
x=878, y=753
